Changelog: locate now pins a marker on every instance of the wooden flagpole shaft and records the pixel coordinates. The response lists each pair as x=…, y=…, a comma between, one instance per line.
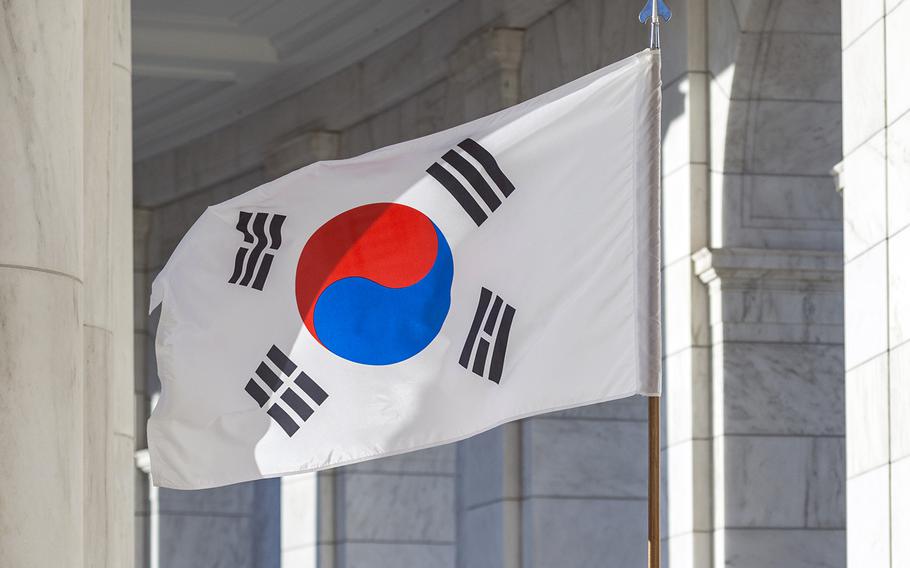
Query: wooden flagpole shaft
x=654, y=401
x=654, y=482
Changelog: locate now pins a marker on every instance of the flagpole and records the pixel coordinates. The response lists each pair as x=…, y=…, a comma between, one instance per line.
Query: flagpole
x=654, y=482
x=654, y=401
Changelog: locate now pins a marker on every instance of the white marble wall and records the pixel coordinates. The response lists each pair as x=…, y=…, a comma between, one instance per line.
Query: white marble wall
x=876, y=192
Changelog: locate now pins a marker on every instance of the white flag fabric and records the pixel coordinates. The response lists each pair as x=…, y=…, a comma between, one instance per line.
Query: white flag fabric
x=418, y=294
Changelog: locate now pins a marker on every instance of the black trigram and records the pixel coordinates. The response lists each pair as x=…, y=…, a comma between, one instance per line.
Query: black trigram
x=250, y=264
x=490, y=327
x=287, y=398
x=459, y=163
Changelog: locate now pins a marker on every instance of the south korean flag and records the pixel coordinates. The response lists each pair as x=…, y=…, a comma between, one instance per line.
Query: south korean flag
x=418, y=294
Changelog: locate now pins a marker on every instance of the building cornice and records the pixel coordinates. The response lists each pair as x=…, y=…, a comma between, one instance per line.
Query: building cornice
x=741, y=265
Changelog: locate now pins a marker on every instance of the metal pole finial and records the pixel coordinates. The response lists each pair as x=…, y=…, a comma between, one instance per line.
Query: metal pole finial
x=654, y=10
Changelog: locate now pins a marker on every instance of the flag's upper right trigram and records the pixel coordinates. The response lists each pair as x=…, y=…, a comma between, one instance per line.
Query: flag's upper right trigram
x=468, y=165
x=418, y=294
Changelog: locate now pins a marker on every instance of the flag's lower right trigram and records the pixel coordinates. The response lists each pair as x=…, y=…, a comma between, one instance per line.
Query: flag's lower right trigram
x=418, y=294
x=484, y=349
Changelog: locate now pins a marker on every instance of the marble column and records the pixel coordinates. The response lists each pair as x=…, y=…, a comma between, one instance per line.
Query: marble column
x=484, y=78
x=396, y=511
x=41, y=283
x=108, y=439
x=65, y=286
x=299, y=149
x=777, y=398
x=686, y=452
x=389, y=512
x=484, y=72
x=308, y=500
x=584, y=471
x=568, y=488
x=308, y=520
x=488, y=499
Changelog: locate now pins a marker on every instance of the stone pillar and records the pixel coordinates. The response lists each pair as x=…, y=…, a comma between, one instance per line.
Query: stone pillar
x=584, y=486
x=300, y=149
x=484, y=73
x=876, y=190
x=65, y=293
x=308, y=520
x=566, y=489
x=397, y=511
x=307, y=501
x=484, y=78
x=778, y=476
x=108, y=286
x=488, y=499
x=300, y=516
x=686, y=451
x=392, y=512
x=41, y=275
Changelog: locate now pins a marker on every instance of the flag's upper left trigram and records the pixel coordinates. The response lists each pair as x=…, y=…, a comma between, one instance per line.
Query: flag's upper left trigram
x=261, y=239
x=418, y=294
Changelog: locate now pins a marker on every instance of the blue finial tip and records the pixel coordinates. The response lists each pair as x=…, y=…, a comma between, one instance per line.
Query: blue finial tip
x=663, y=12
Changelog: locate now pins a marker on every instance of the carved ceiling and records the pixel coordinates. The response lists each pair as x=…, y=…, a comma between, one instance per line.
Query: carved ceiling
x=200, y=64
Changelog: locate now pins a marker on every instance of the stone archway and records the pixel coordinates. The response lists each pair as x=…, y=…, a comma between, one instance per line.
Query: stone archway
x=775, y=284
x=753, y=324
